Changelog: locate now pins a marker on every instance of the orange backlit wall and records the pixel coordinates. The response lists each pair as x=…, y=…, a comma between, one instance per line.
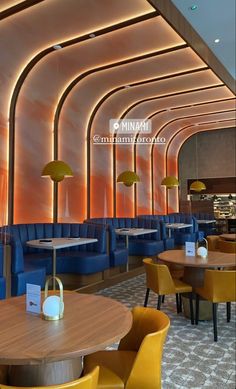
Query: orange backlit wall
x=118, y=61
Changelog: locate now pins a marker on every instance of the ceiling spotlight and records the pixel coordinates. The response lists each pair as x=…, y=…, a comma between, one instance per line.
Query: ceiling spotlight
x=217, y=40
x=193, y=7
x=92, y=35
x=57, y=47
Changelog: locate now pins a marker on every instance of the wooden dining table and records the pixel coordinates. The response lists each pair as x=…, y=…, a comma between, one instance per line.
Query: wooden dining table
x=228, y=237
x=194, y=266
x=39, y=352
x=194, y=269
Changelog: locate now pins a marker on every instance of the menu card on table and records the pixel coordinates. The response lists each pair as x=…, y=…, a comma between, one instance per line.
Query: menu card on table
x=190, y=249
x=33, y=298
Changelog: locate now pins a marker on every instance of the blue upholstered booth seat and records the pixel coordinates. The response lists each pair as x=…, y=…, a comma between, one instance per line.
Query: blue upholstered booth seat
x=207, y=229
x=141, y=245
x=2, y=279
x=29, y=265
x=178, y=237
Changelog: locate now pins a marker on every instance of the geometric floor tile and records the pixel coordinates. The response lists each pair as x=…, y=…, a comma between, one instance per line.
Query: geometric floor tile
x=191, y=359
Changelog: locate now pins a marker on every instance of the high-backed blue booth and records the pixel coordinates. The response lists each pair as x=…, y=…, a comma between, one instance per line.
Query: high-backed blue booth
x=30, y=265
x=2, y=279
x=180, y=236
x=141, y=245
x=207, y=229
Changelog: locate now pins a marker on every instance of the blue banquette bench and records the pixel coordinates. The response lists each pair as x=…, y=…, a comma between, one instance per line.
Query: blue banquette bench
x=2, y=279
x=141, y=245
x=208, y=229
x=29, y=265
x=180, y=236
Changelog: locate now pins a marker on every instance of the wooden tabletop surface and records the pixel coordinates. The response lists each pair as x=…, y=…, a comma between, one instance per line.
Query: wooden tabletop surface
x=90, y=323
x=214, y=259
x=231, y=237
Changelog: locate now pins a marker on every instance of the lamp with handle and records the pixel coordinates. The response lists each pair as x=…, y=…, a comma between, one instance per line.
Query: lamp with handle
x=53, y=306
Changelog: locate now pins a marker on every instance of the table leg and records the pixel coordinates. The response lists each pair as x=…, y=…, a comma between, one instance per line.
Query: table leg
x=195, y=277
x=54, y=268
x=169, y=232
x=127, y=246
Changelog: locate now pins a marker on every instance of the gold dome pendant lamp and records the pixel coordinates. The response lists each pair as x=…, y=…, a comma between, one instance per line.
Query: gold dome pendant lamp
x=57, y=171
x=170, y=182
x=128, y=178
x=197, y=186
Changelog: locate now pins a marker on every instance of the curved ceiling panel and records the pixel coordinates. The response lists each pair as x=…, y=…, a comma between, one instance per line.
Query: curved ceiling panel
x=176, y=144
x=117, y=60
x=96, y=88
x=172, y=127
x=56, y=71
x=171, y=165
x=32, y=38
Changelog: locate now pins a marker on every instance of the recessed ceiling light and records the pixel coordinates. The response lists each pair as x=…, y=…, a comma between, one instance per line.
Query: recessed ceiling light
x=193, y=7
x=57, y=47
x=217, y=40
x=92, y=35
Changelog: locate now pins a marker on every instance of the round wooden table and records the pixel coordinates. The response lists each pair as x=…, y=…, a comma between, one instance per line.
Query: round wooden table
x=41, y=352
x=194, y=269
x=230, y=237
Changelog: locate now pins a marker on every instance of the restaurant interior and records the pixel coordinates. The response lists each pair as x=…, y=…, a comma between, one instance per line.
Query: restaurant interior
x=117, y=194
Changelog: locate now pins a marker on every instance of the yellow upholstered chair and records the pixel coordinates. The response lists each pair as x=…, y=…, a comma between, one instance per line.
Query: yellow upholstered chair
x=213, y=242
x=226, y=246
x=160, y=281
x=219, y=287
x=87, y=382
x=137, y=362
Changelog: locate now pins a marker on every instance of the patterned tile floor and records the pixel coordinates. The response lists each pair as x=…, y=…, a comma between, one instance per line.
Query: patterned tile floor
x=191, y=359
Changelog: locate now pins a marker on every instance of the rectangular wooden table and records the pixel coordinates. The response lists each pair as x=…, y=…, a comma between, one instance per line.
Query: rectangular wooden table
x=58, y=243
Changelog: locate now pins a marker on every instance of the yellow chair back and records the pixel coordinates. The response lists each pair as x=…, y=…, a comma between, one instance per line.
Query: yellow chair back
x=147, y=337
x=158, y=277
x=220, y=285
x=227, y=246
x=87, y=382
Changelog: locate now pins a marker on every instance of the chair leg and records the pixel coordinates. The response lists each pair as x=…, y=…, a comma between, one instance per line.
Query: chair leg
x=214, y=311
x=228, y=308
x=180, y=303
x=197, y=309
x=191, y=307
x=146, y=297
x=163, y=299
x=159, y=302
x=177, y=302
